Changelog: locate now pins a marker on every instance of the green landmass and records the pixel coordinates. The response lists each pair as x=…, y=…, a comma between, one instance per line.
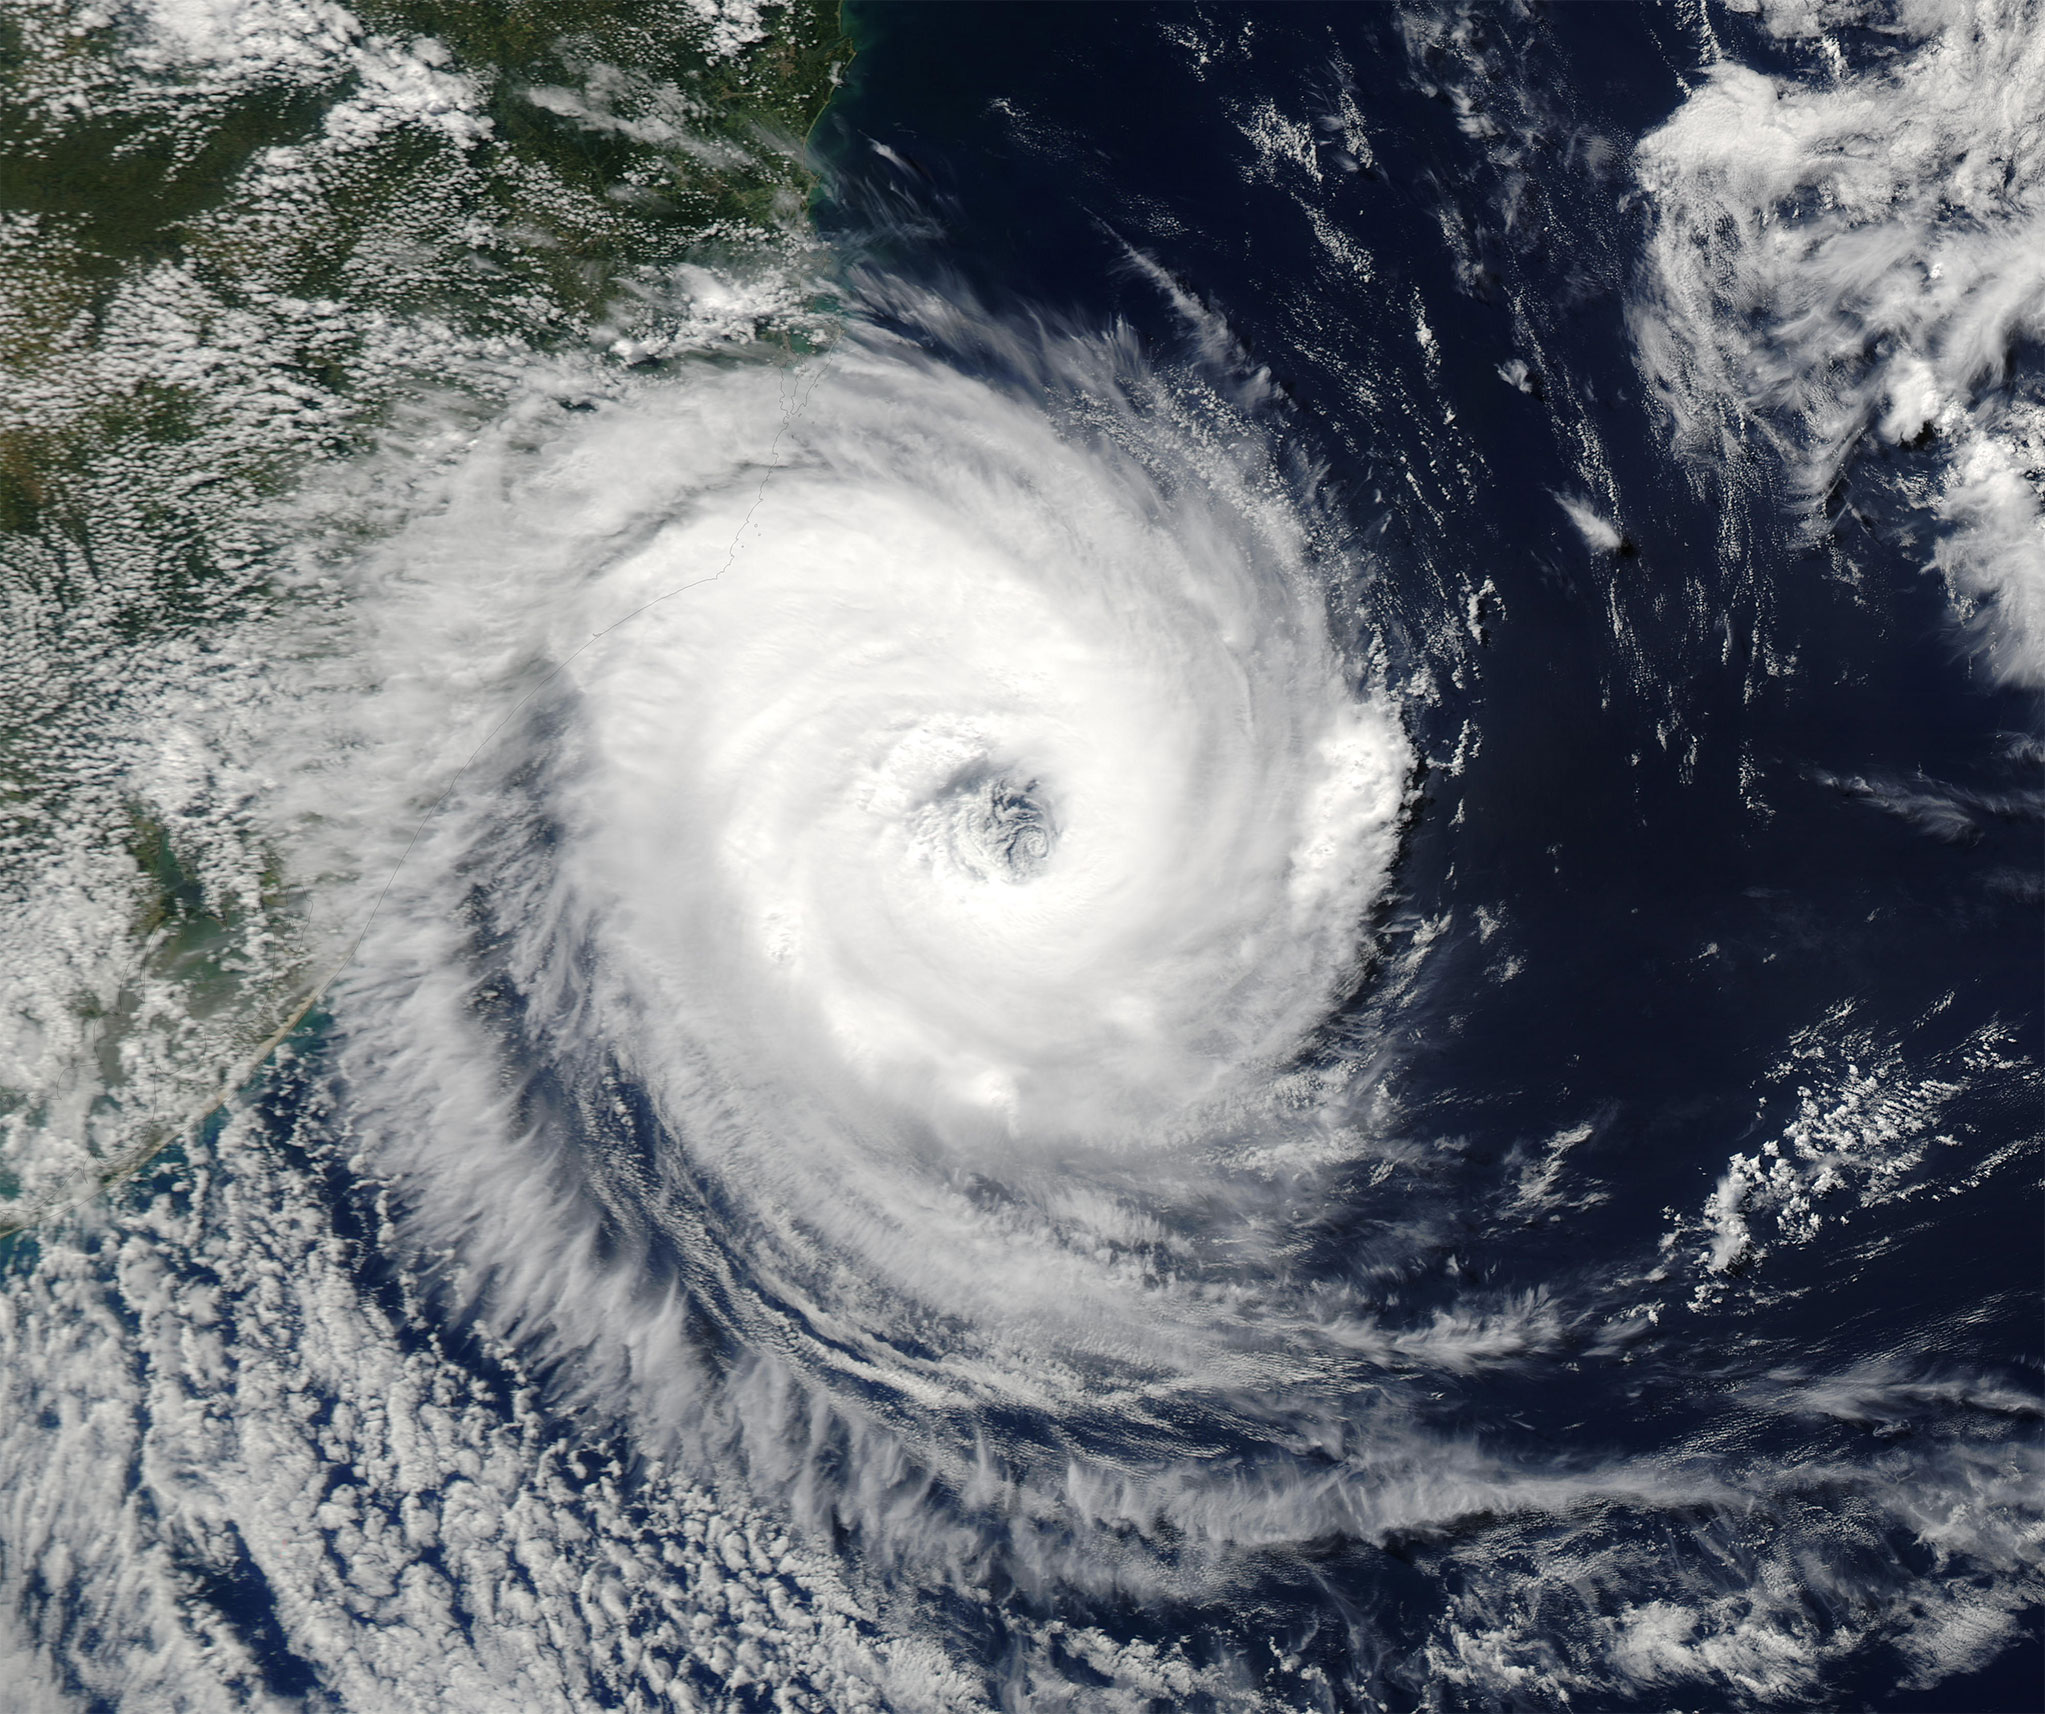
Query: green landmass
x=224, y=263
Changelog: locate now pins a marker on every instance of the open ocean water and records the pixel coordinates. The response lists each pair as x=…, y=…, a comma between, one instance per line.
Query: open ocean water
x=1207, y=878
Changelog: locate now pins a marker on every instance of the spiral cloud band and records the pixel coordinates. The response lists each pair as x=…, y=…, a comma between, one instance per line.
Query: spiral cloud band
x=853, y=958
x=985, y=783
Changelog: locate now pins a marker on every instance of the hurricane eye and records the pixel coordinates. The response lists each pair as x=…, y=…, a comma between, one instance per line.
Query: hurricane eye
x=1016, y=828
x=994, y=826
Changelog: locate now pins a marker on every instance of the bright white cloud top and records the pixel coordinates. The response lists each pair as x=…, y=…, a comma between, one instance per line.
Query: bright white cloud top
x=1851, y=264
x=948, y=826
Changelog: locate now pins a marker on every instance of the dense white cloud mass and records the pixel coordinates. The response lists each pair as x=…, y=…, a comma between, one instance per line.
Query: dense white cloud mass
x=902, y=834
x=985, y=781
x=1856, y=262
x=950, y=823
x=914, y=1110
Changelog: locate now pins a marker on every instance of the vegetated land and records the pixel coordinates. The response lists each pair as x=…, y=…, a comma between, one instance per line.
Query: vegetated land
x=232, y=243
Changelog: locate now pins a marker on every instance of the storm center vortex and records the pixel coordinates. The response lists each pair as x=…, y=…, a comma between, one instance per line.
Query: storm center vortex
x=991, y=824
x=976, y=790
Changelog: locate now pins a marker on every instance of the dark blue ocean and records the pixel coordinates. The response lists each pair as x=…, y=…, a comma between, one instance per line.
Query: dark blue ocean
x=1697, y=854
x=1621, y=1294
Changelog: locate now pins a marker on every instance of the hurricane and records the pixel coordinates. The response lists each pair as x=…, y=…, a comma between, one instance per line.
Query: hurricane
x=1094, y=861
x=946, y=825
